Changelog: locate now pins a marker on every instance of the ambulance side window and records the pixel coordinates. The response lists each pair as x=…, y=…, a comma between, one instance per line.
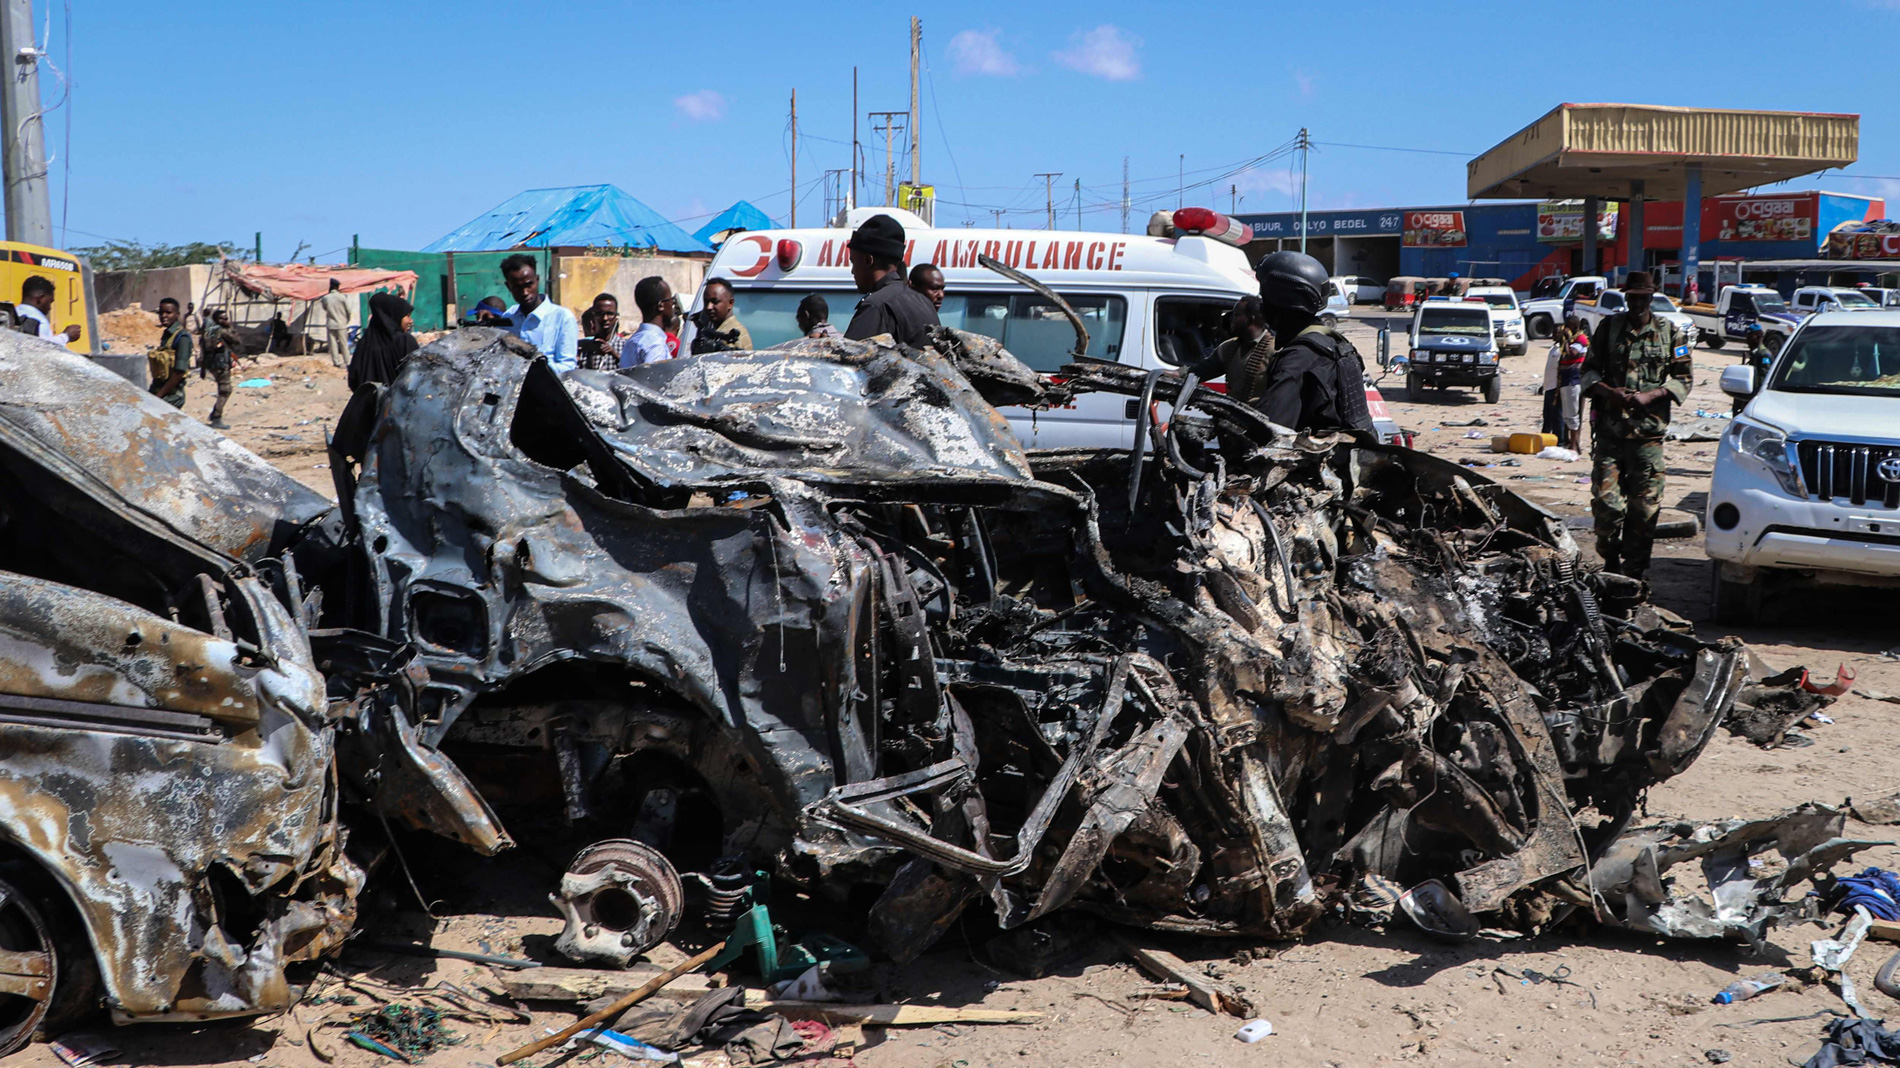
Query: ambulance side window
x=1187, y=329
x=1037, y=333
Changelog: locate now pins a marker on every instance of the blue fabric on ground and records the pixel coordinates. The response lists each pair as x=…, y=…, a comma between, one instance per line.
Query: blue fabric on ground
x=1875, y=888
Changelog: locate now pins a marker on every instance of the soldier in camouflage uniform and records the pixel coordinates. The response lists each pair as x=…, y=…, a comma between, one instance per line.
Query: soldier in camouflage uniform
x=1637, y=367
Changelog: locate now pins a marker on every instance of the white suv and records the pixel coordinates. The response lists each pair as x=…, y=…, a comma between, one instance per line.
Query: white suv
x=1507, y=318
x=1807, y=478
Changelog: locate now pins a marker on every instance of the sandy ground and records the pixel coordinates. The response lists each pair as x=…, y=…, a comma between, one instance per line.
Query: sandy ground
x=1342, y=996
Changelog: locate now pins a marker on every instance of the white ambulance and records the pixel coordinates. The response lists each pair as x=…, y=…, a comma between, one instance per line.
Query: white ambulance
x=1146, y=301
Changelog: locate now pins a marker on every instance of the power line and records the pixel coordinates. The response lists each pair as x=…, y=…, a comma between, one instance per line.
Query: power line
x=1390, y=148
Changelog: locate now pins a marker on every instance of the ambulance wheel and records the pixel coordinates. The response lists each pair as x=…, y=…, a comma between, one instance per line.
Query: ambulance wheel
x=1493, y=389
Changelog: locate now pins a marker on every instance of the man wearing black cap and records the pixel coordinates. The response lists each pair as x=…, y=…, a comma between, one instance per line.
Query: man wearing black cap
x=1637, y=367
x=889, y=305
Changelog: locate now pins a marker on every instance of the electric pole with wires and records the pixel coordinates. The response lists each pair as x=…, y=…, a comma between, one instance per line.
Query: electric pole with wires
x=1049, y=191
x=1124, y=194
x=29, y=208
x=890, y=126
x=1303, y=145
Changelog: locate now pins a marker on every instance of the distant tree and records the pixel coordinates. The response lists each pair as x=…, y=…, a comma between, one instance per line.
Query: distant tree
x=138, y=256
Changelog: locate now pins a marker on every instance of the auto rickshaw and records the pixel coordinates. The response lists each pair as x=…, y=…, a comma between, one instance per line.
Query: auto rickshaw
x=1403, y=292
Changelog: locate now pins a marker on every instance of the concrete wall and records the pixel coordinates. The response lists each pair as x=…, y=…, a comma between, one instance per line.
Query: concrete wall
x=189, y=285
x=581, y=278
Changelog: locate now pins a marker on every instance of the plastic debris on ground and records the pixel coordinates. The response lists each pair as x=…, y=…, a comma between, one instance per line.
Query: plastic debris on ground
x=1558, y=452
x=1254, y=1030
x=1851, y=1041
x=256, y=383
x=82, y=1051
x=411, y=1032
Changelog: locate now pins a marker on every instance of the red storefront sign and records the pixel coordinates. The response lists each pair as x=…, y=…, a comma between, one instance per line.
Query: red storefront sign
x=1783, y=218
x=1863, y=246
x=1434, y=229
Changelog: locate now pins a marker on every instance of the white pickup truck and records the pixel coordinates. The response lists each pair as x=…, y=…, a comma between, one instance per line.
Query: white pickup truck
x=1543, y=315
x=1737, y=306
x=1611, y=301
x=1806, y=485
x=1813, y=299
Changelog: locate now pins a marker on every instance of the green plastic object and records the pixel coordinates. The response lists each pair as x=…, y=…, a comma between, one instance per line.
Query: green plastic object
x=778, y=963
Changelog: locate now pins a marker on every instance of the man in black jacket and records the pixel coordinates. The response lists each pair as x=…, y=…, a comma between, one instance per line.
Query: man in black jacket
x=1315, y=380
x=889, y=306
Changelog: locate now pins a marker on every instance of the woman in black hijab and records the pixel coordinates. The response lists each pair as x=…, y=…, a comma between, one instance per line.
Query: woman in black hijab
x=385, y=342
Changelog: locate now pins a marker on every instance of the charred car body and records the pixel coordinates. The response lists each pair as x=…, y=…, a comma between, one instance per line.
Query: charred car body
x=169, y=835
x=815, y=605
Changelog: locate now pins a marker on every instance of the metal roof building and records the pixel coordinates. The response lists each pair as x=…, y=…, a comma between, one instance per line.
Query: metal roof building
x=581, y=216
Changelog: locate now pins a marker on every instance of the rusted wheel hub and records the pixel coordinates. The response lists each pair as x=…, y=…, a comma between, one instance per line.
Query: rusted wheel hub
x=620, y=898
x=28, y=969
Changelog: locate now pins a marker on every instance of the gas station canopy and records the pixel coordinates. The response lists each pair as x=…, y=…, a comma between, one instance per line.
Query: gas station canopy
x=1599, y=150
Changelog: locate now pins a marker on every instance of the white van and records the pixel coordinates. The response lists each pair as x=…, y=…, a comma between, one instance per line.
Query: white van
x=1146, y=301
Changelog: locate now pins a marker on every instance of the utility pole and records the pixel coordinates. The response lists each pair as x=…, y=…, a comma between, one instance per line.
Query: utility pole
x=1233, y=199
x=1078, y=204
x=29, y=210
x=835, y=192
x=998, y=213
x=916, y=134
x=852, y=200
x=1305, y=143
x=1049, y=191
x=794, y=159
x=1124, y=194
x=890, y=162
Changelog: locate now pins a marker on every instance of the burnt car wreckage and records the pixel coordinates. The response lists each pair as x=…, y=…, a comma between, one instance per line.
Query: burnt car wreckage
x=816, y=609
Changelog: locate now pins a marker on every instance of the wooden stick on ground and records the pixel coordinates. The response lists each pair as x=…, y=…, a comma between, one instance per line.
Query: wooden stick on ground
x=1209, y=993
x=611, y=1011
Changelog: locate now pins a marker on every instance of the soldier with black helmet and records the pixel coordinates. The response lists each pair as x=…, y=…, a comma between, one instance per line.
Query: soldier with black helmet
x=1315, y=379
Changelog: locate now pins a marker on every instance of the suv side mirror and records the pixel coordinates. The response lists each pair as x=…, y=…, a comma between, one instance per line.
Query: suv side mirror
x=1739, y=380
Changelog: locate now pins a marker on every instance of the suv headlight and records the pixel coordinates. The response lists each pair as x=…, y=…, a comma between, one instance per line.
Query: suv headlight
x=1488, y=357
x=1767, y=447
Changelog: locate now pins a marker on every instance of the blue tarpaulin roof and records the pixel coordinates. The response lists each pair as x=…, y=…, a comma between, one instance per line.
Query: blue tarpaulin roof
x=741, y=216
x=594, y=216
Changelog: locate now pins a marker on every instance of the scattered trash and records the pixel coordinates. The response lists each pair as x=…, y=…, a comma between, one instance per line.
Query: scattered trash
x=1474, y=434
x=1743, y=989
x=405, y=1032
x=82, y=1051
x=1706, y=428
x=256, y=383
x=1438, y=912
x=1476, y=421
x=1528, y=444
x=1558, y=452
x=1717, y=1056
x=1852, y=1041
x=1878, y=695
x=1254, y=1030
x=1843, y=681
x=809, y=986
x=1874, y=889
x=1834, y=953
x=1209, y=993
x=628, y=1046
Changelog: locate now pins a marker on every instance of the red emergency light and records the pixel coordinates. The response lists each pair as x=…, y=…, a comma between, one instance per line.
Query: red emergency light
x=1210, y=223
x=789, y=252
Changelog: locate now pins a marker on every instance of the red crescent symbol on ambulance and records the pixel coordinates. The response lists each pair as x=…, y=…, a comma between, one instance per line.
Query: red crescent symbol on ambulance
x=765, y=255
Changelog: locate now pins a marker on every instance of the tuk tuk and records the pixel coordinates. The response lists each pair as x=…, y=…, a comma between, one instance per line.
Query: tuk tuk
x=1403, y=292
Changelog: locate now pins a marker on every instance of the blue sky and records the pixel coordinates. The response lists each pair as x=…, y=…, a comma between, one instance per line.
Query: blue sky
x=399, y=121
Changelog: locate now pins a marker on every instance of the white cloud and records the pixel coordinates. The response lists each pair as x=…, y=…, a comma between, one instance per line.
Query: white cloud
x=1304, y=82
x=979, y=52
x=703, y=105
x=1107, y=52
x=1254, y=182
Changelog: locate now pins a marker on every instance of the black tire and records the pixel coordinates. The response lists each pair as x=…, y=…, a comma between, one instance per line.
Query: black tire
x=1735, y=603
x=1713, y=340
x=1540, y=326
x=1678, y=526
x=1413, y=387
x=1329, y=320
x=1521, y=349
x=37, y=921
x=1493, y=389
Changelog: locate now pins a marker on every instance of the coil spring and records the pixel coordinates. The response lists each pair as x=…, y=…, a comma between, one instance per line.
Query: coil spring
x=728, y=888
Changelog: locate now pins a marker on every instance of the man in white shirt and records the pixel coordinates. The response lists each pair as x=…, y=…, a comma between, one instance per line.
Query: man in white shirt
x=336, y=322
x=537, y=320
x=36, y=303
x=654, y=298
